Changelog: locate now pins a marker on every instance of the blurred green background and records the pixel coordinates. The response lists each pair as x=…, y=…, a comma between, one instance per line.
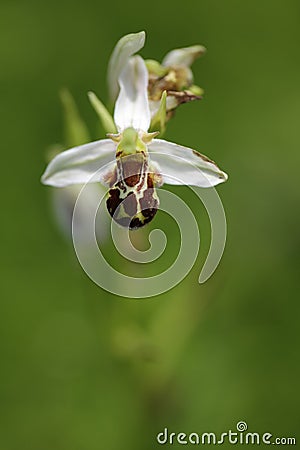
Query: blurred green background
x=84, y=370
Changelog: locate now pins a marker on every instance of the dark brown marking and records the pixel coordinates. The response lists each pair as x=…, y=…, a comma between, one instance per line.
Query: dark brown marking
x=132, y=180
x=137, y=222
x=184, y=96
x=205, y=158
x=113, y=200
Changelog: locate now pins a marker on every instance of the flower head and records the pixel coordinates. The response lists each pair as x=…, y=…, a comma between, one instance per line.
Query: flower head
x=132, y=162
x=174, y=75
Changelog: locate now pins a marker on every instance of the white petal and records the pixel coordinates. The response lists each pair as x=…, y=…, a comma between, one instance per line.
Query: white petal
x=127, y=46
x=79, y=164
x=182, y=165
x=132, y=107
x=183, y=56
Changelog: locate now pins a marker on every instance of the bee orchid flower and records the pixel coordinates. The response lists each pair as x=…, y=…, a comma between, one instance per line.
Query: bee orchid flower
x=132, y=163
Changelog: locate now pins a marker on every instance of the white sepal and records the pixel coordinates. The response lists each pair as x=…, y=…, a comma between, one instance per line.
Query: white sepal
x=79, y=164
x=182, y=165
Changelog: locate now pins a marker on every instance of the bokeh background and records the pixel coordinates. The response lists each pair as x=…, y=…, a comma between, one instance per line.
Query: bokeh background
x=82, y=369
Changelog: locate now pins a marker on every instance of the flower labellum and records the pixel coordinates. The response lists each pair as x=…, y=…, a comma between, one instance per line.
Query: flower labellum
x=133, y=200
